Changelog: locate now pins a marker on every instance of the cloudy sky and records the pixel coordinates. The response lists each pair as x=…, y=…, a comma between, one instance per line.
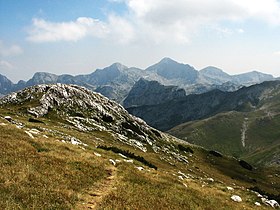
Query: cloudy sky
x=78, y=36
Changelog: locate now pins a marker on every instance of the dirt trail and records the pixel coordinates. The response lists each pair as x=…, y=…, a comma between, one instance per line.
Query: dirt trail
x=96, y=195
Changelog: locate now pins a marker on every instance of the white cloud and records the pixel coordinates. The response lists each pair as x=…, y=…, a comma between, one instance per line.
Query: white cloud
x=5, y=65
x=240, y=30
x=45, y=31
x=277, y=53
x=180, y=19
x=268, y=11
x=120, y=29
x=158, y=21
x=11, y=50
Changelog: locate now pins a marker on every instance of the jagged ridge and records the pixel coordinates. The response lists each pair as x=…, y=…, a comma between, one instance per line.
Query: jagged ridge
x=84, y=109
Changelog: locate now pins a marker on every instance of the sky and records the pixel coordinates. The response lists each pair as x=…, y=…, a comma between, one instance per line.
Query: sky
x=79, y=36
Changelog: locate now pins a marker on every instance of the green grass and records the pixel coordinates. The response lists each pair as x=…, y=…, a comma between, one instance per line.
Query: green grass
x=223, y=133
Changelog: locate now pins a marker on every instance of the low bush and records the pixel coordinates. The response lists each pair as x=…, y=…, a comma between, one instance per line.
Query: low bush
x=269, y=195
x=35, y=120
x=245, y=165
x=185, y=149
x=128, y=154
x=215, y=153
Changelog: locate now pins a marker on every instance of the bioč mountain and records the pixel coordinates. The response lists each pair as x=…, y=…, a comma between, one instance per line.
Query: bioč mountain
x=117, y=80
x=66, y=147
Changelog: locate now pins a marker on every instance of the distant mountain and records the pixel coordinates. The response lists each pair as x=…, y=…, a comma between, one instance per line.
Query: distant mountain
x=6, y=85
x=117, y=80
x=250, y=78
x=106, y=75
x=193, y=107
x=247, y=127
x=214, y=75
x=206, y=87
x=42, y=78
x=146, y=92
x=114, y=81
x=19, y=86
x=172, y=70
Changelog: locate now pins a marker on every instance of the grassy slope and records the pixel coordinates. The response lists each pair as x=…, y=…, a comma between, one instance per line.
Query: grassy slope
x=44, y=173
x=223, y=133
x=210, y=133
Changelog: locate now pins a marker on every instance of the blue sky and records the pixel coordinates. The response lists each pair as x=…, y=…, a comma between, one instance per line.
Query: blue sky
x=78, y=36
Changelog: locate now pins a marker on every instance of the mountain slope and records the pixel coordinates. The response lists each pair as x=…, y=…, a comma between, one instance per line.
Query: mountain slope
x=114, y=81
x=253, y=136
x=171, y=70
x=214, y=75
x=5, y=85
x=252, y=78
x=193, y=107
x=150, y=93
x=65, y=147
x=251, y=132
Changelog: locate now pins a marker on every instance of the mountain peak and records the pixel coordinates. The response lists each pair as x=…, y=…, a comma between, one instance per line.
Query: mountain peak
x=212, y=69
x=167, y=60
x=170, y=69
x=118, y=66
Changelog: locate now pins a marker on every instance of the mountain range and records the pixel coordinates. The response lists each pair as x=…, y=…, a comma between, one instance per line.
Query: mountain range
x=117, y=80
x=243, y=123
x=66, y=147
x=197, y=106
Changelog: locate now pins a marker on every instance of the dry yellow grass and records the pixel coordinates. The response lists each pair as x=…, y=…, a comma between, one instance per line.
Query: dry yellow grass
x=44, y=173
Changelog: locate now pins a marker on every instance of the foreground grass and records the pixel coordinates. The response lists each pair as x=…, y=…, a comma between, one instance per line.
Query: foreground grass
x=157, y=190
x=43, y=174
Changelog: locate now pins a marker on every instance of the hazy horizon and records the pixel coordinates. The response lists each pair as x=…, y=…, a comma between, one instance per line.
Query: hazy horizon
x=77, y=37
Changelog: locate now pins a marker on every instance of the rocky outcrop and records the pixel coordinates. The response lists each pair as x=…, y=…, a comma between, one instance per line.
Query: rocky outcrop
x=83, y=109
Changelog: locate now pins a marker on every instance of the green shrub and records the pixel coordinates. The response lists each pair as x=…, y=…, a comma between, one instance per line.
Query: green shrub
x=128, y=154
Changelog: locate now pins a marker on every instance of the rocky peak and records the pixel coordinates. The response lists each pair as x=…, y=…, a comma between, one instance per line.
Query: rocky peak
x=252, y=77
x=5, y=85
x=170, y=69
x=118, y=66
x=211, y=70
x=84, y=109
x=42, y=78
x=167, y=60
x=213, y=75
